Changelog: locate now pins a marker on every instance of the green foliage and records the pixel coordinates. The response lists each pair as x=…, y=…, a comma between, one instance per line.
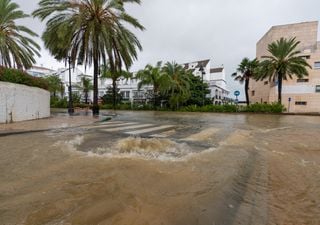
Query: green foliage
x=91, y=31
x=264, y=108
x=285, y=62
x=254, y=108
x=55, y=84
x=85, y=86
x=210, y=108
x=20, y=77
x=108, y=98
x=76, y=98
x=246, y=70
x=56, y=102
x=198, y=92
x=17, y=48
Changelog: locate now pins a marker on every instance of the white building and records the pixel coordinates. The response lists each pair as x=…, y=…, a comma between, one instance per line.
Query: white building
x=63, y=74
x=214, y=77
x=39, y=71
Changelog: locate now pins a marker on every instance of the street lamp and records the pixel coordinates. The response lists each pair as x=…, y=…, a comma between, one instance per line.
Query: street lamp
x=70, y=105
x=202, y=74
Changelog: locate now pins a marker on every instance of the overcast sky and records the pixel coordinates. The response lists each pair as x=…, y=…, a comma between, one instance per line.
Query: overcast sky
x=224, y=31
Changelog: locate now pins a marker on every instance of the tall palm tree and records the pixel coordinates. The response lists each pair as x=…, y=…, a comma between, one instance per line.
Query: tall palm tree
x=246, y=70
x=151, y=75
x=283, y=63
x=17, y=49
x=90, y=32
x=176, y=83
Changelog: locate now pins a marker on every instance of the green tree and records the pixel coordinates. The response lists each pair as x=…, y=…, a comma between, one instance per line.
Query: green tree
x=85, y=86
x=55, y=85
x=17, y=49
x=246, y=70
x=176, y=84
x=90, y=32
x=198, y=91
x=108, y=98
x=151, y=75
x=107, y=73
x=283, y=63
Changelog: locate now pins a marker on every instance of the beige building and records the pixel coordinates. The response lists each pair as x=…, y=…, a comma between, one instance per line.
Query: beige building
x=304, y=93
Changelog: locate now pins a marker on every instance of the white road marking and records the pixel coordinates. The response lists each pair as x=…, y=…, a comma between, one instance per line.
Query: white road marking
x=128, y=127
x=164, y=134
x=148, y=130
x=111, y=125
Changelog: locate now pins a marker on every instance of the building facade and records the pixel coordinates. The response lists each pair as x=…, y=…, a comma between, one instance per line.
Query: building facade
x=298, y=95
x=214, y=77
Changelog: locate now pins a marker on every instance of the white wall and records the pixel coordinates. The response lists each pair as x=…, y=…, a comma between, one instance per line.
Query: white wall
x=20, y=102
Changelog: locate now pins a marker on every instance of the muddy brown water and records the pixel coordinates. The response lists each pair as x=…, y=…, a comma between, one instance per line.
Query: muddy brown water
x=210, y=169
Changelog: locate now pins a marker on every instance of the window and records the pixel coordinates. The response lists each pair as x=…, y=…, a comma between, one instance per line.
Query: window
x=302, y=80
x=316, y=65
x=253, y=93
x=318, y=88
x=266, y=83
x=301, y=103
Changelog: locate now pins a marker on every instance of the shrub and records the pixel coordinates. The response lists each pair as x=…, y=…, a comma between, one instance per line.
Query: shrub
x=58, y=103
x=20, y=77
x=264, y=108
x=210, y=108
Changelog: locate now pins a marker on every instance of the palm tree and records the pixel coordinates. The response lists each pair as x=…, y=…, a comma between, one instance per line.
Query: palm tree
x=283, y=63
x=17, y=49
x=85, y=86
x=176, y=83
x=151, y=75
x=107, y=73
x=90, y=32
x=55, y=85
x=246, y=70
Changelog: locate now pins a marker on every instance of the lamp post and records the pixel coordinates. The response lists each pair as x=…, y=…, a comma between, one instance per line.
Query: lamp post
x=70, y=105
x=202, y=74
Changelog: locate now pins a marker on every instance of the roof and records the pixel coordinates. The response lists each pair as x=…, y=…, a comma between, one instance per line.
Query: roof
x=202, y=63
x=41, y=68
x=216, y=70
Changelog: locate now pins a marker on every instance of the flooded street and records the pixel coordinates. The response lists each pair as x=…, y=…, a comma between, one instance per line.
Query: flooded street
x=161, y=168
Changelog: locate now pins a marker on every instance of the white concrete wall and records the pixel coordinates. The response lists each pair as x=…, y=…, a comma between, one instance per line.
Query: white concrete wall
x=20, y=102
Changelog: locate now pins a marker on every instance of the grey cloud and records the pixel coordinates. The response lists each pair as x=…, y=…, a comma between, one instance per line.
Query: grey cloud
x=187, y=30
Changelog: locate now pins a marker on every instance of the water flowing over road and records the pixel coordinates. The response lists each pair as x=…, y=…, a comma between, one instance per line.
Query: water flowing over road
x=153, y=168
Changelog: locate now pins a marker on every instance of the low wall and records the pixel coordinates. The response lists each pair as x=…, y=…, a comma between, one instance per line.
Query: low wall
x=20, y=102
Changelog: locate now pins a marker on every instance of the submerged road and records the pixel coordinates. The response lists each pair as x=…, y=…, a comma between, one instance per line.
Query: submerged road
x=161, y=168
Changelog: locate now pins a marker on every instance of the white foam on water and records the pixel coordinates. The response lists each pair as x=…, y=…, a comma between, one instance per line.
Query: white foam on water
x=148, y=149
x=71, y=145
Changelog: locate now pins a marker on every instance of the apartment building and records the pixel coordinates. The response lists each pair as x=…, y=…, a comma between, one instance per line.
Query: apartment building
x=298, y=95
x=214, y=77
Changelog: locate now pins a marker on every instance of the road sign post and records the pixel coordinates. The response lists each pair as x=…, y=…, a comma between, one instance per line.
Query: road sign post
x=237, y=94
x=289, y=101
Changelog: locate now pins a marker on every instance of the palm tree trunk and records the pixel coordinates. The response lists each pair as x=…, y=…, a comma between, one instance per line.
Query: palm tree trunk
x=86, y=96
x=280, y=88
x=246, y=87
x=114, y=92
x=95, y=107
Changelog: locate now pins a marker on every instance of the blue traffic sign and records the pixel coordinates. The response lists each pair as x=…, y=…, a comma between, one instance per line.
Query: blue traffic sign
x=237, y=93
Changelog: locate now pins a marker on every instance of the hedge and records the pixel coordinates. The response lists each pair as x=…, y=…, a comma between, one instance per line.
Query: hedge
x=21, y=77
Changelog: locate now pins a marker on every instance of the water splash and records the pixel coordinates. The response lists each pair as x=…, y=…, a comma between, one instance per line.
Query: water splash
x=147, y=148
